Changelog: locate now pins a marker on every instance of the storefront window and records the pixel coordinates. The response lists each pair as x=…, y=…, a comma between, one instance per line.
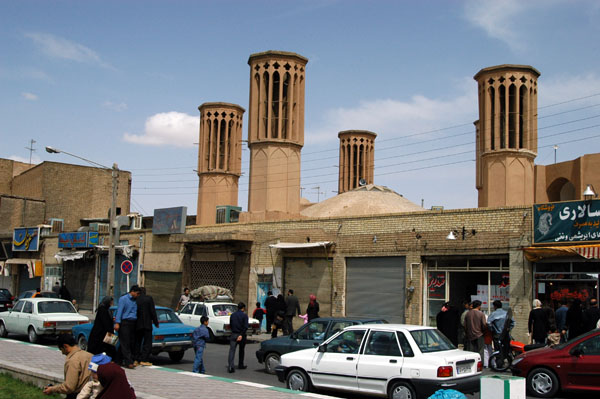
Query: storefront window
x=436, y=294
x=554, y=282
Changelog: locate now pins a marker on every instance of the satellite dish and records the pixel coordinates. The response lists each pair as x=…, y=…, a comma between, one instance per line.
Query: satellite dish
x=362, y=182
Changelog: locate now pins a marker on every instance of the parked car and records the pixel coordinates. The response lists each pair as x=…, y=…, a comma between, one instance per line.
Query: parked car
x=172, y=336
x=6, y=292
x=34, y=294
x=6, y=301
x=218, y=317
x=308, y=336
x=571, y=366
x=393, y=360
x=36, y=317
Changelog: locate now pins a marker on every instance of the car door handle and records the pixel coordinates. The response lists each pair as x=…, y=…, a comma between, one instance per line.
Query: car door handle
x=393, y=361
x=349, y=358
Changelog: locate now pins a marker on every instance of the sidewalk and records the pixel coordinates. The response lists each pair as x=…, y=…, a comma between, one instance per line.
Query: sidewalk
x=43, y=365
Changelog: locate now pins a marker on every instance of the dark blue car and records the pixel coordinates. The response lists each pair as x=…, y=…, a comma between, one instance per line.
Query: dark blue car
x=172, y=336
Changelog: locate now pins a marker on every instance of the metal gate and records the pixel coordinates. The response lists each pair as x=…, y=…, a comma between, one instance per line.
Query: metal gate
x=375, y=288
x=219, y=273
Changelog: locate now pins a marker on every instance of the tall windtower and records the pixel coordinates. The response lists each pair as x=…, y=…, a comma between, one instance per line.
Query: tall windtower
x=219, y=158
x=275, y=134
x=506, y=131
x=357, y=151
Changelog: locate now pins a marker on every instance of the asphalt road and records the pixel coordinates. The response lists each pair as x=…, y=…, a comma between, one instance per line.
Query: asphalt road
x=215, y=361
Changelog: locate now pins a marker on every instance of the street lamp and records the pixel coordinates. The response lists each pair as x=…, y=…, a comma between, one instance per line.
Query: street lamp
x=113, y=210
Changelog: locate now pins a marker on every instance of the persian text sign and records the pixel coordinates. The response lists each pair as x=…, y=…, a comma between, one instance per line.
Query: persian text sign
x=26, y=239
x=72, y=240
x=566, y=221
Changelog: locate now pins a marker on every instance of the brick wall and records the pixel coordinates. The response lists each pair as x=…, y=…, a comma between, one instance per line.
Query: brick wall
x=20, y=212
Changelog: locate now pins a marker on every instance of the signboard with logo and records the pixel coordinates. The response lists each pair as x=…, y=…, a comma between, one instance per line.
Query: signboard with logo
x=26, y=239
x=93, y=238
x=78, y=239
x=169, y=220
x=568, y=221
x=436, y=285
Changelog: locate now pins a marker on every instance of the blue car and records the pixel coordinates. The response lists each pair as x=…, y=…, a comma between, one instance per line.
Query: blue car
x=172, y=336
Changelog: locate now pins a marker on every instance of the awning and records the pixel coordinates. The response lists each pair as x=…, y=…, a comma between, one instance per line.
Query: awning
x=534, y=254
x=30, y=263
x=126, y=250
x=69, y=255
x=300, y=245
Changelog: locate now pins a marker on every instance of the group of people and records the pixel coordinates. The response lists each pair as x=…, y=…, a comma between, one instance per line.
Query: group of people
x=280, y=312
x=90, y=376
x=570, y=320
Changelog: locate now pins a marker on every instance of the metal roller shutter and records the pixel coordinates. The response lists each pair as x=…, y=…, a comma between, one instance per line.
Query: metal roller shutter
x=375, y=288
x=219, y=273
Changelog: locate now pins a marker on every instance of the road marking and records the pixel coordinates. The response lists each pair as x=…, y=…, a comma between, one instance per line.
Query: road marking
x=252, y=384
x=194, y=374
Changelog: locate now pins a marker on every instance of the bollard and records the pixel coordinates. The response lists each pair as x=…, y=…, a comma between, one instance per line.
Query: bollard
x=502, y=387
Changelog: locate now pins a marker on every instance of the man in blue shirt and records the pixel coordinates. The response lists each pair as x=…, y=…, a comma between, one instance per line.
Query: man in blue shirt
x=496, y=321
x=239, y=325
x=199, y=338
x=561, y=319
x=125, y=319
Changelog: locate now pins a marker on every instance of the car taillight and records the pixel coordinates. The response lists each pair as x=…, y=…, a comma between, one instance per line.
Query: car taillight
x=479, y=366
x=227, y=327
x=159, y=337
x=444, y=371
x=255, y=325
x=49, y=324
x=83, y=322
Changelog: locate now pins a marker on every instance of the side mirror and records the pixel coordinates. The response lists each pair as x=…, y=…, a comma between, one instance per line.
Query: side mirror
x=322, y=348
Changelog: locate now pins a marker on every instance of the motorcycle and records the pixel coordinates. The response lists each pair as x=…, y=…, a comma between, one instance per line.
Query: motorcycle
x=501, y=359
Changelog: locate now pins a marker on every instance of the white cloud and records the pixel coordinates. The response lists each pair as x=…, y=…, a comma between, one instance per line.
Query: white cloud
x=29, y=96
x=115, y=106
x=558, y=89
x=58, y=47
x=34, y=159
x=168, y=129
x=25, y=73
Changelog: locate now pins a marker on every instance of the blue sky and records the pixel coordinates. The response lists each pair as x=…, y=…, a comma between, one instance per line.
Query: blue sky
x=120, y=81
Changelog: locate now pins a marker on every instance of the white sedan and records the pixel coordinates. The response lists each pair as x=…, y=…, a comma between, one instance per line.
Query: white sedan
x=35, y=317
x=218, y=317
x=393, y=360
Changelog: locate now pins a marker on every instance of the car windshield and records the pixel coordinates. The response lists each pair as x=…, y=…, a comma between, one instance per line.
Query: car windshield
x=431, y=340
x=167, y=316
x=55, y=307
x=224, y=310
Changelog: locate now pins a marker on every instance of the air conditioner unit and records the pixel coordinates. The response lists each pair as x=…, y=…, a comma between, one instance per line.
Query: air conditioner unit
x=136, y=221
x=99, y=227
x=228, y=214
x=45, y=230
x=57, y=225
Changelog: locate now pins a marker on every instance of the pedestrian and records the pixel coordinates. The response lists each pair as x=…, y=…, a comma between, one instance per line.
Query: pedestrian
x=200, y=337
x=93, y=387
x=56, y=288
x=259, y=313
x=146, y=317
x=312, y=310
x=125, y=320
x=75, y=304
x=271, y=308
x=183, y=299
x=77, y=373
x=561, y=319
x=64, y=293
x=574, y=323
x=448, y=321
x=278, y=323
x=538, y=324
x=591, y=316
x=553, y=336
x=103, y=324
x=475, y=326
x=292, y=308
x=462, y=331
x=238, y=322
x=496, y=322
x=114, y=382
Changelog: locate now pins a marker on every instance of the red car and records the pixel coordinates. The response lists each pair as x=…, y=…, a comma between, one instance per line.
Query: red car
x=572, y=366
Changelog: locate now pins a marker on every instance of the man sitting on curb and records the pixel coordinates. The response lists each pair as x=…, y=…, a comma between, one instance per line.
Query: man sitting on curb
x=77, y=373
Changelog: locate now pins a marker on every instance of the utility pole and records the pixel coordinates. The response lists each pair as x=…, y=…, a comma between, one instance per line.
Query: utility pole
x=555, y=148
x=110, y=275
x=31, y=149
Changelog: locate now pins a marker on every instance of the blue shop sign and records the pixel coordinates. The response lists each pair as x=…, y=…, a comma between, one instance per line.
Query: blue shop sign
x=26, y=239
x=169, y=220
x=76, y=239
x=568, y=221
x=93, y=238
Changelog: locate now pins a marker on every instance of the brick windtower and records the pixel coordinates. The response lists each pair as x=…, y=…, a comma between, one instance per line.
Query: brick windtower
x=275, y=134
x=357, y=159
x=506, y=143
x=219, y=158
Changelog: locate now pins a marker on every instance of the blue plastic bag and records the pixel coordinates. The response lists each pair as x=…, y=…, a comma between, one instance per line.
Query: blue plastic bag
x=448, y=394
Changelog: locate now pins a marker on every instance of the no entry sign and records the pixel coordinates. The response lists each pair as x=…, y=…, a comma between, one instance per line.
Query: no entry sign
x=126, y=266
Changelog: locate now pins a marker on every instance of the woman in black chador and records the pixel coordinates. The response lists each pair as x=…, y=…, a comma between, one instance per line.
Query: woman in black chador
x=103, y=323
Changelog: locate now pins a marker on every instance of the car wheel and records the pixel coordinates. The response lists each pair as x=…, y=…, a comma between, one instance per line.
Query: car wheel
x=499, y=363
x=82, y=343
x=3, y=331
x=272, y=360
x=176, y=356
x=542, y=382
x=297, y=380
x=401, y=390
x=33, y=336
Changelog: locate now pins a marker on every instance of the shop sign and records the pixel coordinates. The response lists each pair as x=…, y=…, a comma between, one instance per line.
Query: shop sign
x=93, y=238
x=437, y=285
x=566, y=221
x=72, y=240
x=26, y=239
x=169, y=220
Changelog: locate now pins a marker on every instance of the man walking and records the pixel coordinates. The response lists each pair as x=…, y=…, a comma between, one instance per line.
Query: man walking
x=271, y=308
x=77, y=373
x=146, y=317
x=125, y=320
x=239, y=325
x=292, y=309
x=199, y=338
x=183, y=300
x=561, y=318
x=475, y=326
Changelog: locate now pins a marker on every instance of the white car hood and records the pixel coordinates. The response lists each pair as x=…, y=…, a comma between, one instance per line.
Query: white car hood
x=301, y=355
x=225, y=319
